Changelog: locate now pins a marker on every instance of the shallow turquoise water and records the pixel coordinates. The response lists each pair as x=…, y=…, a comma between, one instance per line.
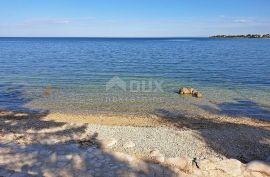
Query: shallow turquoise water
x=233, y=75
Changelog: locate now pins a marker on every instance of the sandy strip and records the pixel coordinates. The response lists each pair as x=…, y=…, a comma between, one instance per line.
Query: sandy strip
x=155, y=121
x=113, y=120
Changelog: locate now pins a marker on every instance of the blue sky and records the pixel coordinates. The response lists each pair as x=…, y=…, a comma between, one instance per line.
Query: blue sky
x=133, y=18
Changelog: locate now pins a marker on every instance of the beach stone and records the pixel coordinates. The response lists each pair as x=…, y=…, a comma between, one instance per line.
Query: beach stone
x=184, y=91
x=21, y=115
x=191, y=90
x=259, y=166
x=229, y=167
x=129, y=144
x=182, y=163
x=69, y=156
x=257, y=174
x=138, y=165
x=207, y=164
x=182, y=174
x=154, y=153
x=197, y=94
x=122, y=156
x=109, y=143
x=157, y=156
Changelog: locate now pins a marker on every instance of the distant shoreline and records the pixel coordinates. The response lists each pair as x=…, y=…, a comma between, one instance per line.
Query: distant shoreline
x=248, y=36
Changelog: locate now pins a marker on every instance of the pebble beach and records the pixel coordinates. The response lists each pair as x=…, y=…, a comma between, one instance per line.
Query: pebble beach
x=49, y=145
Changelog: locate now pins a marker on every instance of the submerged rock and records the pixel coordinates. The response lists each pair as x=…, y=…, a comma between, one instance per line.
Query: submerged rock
x=48, y=91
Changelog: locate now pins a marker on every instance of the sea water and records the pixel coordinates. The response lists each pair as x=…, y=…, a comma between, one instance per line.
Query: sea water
x=136, y=75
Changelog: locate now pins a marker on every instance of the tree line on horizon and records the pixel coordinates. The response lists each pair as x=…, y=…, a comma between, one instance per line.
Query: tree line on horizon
x=242, y=36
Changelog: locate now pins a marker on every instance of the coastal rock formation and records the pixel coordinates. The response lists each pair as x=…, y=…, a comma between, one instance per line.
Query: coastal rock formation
x=69, y=158
x=217, y=167
x=182, y=163
x=190, y=91
x=258, y=167
x=123, y=156
x=228, y=167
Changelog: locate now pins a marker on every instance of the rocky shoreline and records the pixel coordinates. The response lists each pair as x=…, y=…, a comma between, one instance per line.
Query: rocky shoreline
x=47, y=145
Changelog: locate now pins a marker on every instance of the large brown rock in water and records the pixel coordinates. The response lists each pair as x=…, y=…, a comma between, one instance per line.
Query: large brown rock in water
x=185, y=91
x=190, y=91
x=197, y=94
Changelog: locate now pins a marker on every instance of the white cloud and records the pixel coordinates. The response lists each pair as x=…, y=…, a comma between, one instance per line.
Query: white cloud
x=46, y=22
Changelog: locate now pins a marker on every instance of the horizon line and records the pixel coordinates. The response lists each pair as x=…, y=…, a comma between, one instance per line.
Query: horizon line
x=102, y=37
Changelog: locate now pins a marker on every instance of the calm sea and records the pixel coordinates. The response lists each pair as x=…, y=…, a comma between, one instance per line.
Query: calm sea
x=135, y=75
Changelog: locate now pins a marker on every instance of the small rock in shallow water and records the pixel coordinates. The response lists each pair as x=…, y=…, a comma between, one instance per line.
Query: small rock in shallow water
x=185, y=91
x=190, y=91
x=197, y=94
